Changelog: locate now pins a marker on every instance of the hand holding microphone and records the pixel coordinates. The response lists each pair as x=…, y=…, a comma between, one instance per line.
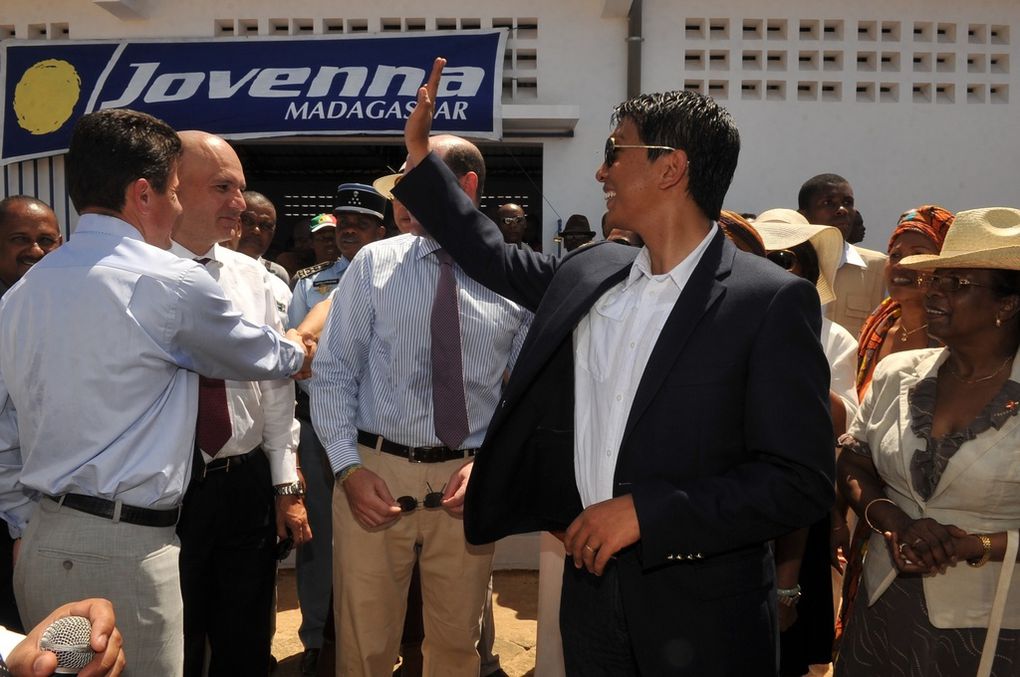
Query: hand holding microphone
x=70, y=638
x=79, y=637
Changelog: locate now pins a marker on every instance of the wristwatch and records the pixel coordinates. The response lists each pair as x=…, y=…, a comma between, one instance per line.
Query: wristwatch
x=788, y=596
x=292, y=489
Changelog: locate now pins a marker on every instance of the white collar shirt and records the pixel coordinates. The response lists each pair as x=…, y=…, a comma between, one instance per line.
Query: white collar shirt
x=851, y=256
x=612, y=344
x=261, y=412
x=373, y=368
x=100, y=343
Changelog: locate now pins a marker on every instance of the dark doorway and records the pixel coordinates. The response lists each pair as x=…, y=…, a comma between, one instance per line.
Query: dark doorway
x=301, y=176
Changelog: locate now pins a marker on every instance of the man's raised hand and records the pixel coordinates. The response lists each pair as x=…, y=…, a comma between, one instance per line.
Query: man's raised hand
x=419, y=122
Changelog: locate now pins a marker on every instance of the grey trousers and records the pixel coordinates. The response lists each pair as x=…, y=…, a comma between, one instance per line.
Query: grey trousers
x=68, y=555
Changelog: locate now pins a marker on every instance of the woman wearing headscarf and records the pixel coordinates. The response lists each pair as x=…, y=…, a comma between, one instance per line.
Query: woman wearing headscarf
x=898, y=323
x=930, y=464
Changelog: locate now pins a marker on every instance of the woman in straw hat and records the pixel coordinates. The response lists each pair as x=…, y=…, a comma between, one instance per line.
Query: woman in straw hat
x=803, y=559
x=898, y=323
x=931, y=465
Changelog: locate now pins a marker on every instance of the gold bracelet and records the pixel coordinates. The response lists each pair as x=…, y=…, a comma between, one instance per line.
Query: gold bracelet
x=868, y=507
x=348, y=471
x=986, y=555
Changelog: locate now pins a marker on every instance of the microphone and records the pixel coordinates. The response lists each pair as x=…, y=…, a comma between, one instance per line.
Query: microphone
x=70, y=638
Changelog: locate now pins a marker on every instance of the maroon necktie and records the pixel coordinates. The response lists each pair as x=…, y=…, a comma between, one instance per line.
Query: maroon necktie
x=449, y=406
x=213, y=428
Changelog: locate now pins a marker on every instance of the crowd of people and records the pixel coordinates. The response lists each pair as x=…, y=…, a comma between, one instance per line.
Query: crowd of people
x=762, y=446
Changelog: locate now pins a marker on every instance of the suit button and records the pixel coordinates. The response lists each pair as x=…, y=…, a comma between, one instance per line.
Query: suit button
x=502, y=405
x=68, y=564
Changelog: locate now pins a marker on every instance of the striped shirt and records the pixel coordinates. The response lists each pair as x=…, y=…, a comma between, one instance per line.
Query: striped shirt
x=373, y=368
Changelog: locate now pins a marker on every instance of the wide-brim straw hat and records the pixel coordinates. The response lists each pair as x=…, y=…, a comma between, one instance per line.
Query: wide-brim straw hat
x=384, y=184
x=978, y=238
x=786, y=228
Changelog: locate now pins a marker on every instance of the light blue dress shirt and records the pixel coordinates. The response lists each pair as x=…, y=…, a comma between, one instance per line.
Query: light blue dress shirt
x=312, y=289
x=373, y=368
x=99, y=347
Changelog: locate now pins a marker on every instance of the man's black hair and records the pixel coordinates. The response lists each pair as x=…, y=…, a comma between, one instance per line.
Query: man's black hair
x=110, y=149
x=815, y=185
x=697, y=125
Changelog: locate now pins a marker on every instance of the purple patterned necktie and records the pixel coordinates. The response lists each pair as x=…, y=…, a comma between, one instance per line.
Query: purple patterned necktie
x=213, y=428
x=449, y=406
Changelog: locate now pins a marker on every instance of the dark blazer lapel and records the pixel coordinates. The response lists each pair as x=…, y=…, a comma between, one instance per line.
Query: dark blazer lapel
x=578, y=284
x=701, y=291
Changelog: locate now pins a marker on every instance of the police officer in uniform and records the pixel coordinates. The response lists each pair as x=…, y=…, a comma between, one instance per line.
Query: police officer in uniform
x=357, y=220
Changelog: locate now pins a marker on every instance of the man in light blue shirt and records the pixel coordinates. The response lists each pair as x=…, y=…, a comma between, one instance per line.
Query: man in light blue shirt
x=99, y=345
x=373, y=407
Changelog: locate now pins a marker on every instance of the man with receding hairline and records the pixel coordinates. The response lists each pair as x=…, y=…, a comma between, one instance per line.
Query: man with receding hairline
x=28, y=232
x=257, y=228
x=408, y=371
x=246, y=493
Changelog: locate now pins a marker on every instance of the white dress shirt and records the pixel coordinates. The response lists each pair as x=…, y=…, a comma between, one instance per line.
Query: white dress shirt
x=612, y=344
x=373, y=368
x=261, y=412
x=282, y=296
x=851, y=256
x=840, y=350
x=100, y=343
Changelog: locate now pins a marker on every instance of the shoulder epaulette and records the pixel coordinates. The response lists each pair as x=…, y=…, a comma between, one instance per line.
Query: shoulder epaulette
x=312, y=270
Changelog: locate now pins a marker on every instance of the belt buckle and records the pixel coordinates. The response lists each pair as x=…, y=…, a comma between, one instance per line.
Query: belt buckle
x=412, y=454
x=225, y=467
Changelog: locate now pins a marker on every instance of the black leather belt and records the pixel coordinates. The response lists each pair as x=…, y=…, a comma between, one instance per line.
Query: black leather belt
x=413, y=454
x=226, y=463
x=100, y=507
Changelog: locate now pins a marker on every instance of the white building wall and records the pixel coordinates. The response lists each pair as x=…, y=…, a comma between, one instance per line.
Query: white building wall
x=954, y=140
x=899, y=148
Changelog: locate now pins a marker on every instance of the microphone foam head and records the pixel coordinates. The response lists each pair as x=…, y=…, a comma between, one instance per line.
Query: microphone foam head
x=70, y=638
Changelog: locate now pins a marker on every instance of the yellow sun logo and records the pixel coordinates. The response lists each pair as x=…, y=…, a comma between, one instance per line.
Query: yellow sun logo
x=45, y=96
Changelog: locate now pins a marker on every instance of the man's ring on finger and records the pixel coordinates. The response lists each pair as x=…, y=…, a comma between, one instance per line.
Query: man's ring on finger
x=588, y=547
x=902, y=546
x=917, y=542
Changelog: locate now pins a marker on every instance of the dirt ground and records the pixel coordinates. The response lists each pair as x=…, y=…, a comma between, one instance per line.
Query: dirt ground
x=515, y=608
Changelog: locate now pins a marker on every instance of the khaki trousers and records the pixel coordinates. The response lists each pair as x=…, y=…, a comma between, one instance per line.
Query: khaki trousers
x=372, y=571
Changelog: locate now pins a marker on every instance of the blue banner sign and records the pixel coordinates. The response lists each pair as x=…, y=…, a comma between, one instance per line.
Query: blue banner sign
x=249, y=87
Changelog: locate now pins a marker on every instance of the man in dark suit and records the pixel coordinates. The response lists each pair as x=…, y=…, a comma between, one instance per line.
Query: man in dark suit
x=669, y=407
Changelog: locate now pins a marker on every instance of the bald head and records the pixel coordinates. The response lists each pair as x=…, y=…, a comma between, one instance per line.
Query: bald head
x=463, y=158
x=211, y=183
x=511, y=221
